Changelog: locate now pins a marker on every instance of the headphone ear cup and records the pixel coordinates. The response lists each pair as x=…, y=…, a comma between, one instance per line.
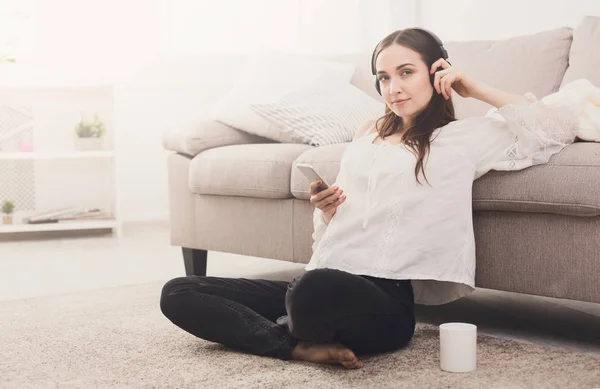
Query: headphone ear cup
x=377, y=87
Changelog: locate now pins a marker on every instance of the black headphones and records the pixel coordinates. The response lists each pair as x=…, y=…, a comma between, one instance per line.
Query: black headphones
x=432, y=76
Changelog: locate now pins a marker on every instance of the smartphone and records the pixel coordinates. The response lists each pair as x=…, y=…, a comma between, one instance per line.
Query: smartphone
x=311, y=174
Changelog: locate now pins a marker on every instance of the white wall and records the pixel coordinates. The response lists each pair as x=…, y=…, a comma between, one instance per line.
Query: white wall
x=459, y=20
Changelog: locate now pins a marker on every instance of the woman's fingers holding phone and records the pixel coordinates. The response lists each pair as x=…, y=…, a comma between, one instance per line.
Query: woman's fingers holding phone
x=326, y=197
x=316, y=197
x=313, y=188
x=333, y=206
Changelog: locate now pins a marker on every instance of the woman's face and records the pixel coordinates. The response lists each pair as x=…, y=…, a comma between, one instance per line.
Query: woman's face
x=404, y=81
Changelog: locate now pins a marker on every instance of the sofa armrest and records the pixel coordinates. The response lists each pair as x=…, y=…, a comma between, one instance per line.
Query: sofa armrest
x=204, y=134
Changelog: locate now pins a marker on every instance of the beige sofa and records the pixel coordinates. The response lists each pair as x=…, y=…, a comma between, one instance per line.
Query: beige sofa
x=537, y=230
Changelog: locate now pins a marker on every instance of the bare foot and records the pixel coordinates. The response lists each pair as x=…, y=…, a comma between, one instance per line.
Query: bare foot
x=326, y=353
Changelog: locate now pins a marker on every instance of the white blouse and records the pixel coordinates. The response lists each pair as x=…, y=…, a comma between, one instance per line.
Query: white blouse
x=391, y=227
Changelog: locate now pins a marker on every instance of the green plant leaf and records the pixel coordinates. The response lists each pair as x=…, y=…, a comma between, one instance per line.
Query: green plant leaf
x=95, y=128
x=8, y=207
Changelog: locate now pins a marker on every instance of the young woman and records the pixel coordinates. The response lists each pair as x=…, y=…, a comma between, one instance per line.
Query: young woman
x=395, y=229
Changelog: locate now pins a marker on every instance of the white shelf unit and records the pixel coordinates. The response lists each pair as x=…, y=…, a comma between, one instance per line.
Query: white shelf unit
x=65, y=155
x=62, y=176
x=60, y=226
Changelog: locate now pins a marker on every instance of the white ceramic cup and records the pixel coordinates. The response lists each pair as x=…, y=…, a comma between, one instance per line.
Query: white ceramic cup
x=458, y=347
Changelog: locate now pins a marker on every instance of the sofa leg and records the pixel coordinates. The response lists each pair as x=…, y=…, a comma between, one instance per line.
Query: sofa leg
x=194, y=261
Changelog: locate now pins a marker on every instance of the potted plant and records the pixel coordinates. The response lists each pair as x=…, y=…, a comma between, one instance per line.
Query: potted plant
x=89, y=134
x=7, y=209
x=7, y=58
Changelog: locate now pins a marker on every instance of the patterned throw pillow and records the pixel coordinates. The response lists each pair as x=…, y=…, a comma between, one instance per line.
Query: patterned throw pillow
x=266, y=77
x=321, y=114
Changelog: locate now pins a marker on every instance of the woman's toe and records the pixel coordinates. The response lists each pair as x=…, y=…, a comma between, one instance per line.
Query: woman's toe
x=348, y=355
x=355, y=364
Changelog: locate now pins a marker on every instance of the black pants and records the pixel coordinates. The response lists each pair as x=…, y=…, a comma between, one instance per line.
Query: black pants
x=268, y=318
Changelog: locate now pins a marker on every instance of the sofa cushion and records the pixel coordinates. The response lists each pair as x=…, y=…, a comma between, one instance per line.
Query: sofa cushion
x=251, y=170
x=362, y=78
x=568, y=184
x=204, y=134
x=325, y=160
x=532, y=63
x=585, y=52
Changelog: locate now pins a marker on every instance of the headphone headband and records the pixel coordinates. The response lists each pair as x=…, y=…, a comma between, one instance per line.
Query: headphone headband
x=431, y=34
x=437, y=39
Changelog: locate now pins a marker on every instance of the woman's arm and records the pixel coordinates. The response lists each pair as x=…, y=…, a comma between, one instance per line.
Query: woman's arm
x=496, y=97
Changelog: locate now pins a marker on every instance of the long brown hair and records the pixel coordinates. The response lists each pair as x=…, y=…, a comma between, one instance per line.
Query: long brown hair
x=438, y=112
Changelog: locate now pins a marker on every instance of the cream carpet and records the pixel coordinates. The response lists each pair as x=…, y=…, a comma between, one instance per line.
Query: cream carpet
x=118, y=338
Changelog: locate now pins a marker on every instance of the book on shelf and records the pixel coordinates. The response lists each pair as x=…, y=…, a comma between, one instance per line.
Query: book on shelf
x=89, y=216
x=69, y=215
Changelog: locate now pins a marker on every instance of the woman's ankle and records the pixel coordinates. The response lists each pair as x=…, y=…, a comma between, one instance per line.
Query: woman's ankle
x=299, y=351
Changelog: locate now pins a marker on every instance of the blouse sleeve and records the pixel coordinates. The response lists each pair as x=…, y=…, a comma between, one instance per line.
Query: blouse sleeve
x=318, y=222
x=319, y=228
x=518, y=136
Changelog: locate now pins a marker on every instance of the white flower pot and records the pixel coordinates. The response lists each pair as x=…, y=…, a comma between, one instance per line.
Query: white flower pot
x=87, y=144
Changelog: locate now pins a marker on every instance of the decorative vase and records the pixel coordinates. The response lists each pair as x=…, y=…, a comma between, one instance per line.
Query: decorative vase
x=7, y=219
x=87, y=144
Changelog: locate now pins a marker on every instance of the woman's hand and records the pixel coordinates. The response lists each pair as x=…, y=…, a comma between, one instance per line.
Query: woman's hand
x=452, y=78
x=326, y=200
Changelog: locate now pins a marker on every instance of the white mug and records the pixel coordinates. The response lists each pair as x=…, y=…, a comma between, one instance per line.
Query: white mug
x=458, y=347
